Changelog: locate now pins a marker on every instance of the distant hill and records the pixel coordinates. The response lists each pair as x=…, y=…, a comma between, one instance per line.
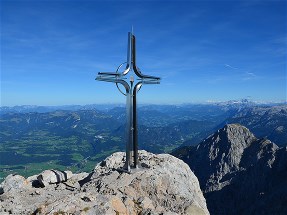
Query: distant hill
x=239, y=173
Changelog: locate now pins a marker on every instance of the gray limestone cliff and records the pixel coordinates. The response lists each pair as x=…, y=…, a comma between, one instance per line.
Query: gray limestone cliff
x=162, y=185
x=238, y=173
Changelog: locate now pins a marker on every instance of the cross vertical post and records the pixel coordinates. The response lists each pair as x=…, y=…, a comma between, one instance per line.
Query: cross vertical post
x=132, y=86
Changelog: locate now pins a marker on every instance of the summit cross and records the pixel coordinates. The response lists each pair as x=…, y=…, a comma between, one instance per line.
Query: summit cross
x=131, y=87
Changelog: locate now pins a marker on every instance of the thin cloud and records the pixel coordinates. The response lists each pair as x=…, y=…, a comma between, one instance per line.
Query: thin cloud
x=241, y=73
x=231, y=67
x=249, y=76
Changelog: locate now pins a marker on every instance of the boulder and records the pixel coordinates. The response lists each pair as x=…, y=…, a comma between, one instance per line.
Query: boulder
x=53, y=176
x=12, y=183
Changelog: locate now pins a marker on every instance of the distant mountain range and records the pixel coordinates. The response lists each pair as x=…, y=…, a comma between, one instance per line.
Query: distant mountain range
x=45, y=109
x=239, y=173
x=42, y=109
x=32, y=137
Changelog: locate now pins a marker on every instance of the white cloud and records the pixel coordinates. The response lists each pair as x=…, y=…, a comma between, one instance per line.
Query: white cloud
x=249, y=76
x=231, y=67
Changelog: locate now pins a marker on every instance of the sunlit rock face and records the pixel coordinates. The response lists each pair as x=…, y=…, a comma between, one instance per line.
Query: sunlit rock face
x=162, y=184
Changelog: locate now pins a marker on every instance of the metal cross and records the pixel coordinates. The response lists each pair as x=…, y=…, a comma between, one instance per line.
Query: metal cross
x=131, y=90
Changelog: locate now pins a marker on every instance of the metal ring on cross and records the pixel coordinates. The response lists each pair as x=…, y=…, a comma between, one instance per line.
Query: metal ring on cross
x=117, y=71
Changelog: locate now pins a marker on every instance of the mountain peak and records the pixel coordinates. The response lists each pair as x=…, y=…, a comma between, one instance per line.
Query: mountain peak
x=232, y=162
x=235, y=132
x=224, y=153
x=162, y=185
x=236, y=129
x=231, y=132
x=234, y=126
x=229, y=141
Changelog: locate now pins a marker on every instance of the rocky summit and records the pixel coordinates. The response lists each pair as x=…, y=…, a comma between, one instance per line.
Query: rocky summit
x=162, y=185
x=239, y=173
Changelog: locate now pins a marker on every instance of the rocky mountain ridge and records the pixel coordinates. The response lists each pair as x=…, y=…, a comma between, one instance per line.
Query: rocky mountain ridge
x=270, y=122
x=239, y=173
x=162, y=185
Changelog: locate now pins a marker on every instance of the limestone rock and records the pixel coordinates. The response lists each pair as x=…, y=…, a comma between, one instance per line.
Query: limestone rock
x=219, y=155
x=162, y=185
x=12, y=183
x=53, y=176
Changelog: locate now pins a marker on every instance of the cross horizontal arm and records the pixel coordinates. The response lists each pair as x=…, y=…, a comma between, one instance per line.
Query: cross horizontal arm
x=149, y=77
x=115, y=80
x=150, y=82
x=109, y=74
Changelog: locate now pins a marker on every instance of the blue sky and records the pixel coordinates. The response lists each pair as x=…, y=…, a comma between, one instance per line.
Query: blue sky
x=51, y=51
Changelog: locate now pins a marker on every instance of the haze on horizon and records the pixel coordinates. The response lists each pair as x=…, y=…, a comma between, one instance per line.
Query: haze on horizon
x=51, y=51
